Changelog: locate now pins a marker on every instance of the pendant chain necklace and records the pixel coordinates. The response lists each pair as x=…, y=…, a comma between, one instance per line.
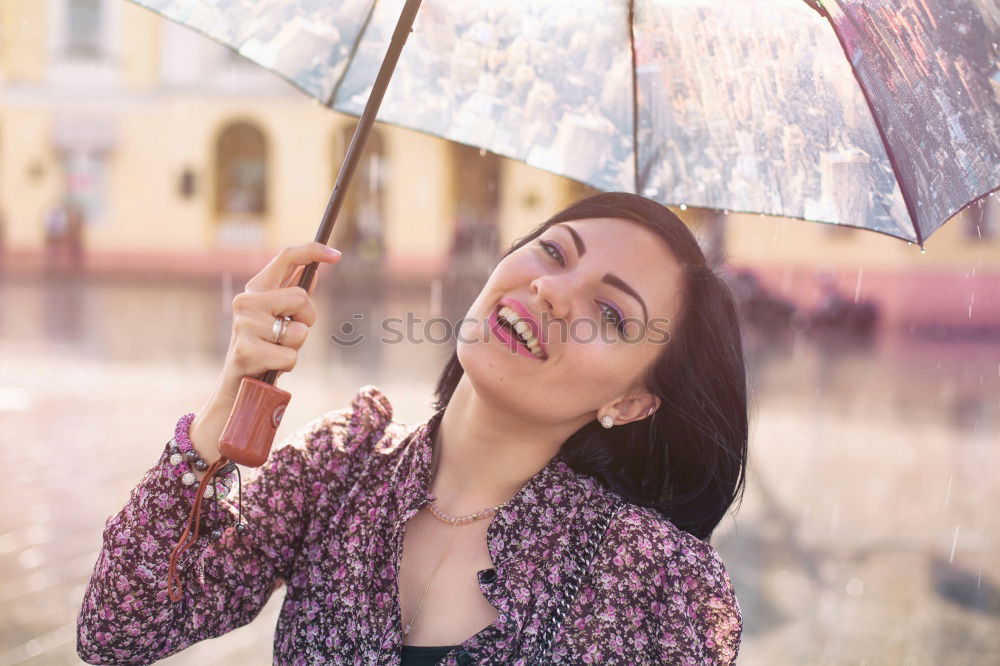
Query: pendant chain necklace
x=454, y=521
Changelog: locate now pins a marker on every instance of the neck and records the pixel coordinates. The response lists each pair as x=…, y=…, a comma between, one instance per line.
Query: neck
x=484, y=454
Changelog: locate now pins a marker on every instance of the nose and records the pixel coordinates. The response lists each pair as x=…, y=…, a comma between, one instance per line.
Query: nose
x=545, y=289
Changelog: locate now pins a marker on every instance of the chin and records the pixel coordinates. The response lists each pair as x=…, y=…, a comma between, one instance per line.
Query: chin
x=487, y=373
x=499, y=386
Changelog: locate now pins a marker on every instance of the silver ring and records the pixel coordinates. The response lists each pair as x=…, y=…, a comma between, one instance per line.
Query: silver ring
x=278, y=330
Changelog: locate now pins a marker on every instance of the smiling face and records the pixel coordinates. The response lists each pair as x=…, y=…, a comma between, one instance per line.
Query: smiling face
x=572, y=287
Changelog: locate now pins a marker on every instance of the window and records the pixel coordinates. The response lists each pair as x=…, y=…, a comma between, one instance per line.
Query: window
x=241, y=178
x=84, y=19
x=476, y=242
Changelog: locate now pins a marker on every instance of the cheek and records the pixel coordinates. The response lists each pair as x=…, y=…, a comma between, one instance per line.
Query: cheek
x=469, y=329
x=593, y=352
x=604, y=363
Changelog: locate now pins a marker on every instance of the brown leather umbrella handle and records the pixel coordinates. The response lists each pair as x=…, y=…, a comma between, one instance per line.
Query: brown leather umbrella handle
x=254, y=419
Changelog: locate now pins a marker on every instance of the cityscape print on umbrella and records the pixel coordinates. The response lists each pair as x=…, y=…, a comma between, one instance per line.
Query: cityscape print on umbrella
x=737, y=105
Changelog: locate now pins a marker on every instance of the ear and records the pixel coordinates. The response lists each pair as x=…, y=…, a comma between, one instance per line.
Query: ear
x=633, y=408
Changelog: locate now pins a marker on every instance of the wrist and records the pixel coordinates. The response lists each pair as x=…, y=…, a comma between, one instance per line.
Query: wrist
x=188, y=460
x=207, y=427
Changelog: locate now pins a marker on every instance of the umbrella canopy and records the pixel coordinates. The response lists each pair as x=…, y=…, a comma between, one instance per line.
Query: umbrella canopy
x=882, y=115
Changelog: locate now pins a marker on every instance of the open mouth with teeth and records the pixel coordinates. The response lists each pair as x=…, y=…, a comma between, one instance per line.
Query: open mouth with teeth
x=508, y=318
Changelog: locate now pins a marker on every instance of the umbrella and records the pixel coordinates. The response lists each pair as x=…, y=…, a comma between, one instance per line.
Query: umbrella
x=883, y=114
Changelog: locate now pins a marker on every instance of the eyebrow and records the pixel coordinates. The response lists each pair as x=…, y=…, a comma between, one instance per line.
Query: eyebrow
x=608, y=278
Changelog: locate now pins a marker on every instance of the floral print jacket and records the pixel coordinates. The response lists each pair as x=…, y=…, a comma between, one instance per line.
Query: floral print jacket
x=326, y=514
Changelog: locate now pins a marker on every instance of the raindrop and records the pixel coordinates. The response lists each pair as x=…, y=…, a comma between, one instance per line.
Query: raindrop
x=954, y=542
x=684, y=207
x=482, y=152
x=855, y=587
x=947, y=494
x=725, y=211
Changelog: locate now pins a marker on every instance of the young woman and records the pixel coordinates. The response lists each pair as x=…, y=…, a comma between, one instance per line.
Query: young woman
x=599, y=374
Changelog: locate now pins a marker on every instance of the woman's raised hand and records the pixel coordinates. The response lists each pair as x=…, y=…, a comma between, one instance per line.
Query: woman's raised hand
x=272, y=293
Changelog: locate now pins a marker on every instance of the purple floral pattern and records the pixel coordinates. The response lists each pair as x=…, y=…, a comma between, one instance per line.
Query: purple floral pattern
x=326, y=515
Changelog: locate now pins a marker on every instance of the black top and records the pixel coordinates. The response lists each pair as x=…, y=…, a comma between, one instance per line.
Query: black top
x=425, y=655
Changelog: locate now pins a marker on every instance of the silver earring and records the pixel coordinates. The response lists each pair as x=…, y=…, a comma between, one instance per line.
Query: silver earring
x=607, y=420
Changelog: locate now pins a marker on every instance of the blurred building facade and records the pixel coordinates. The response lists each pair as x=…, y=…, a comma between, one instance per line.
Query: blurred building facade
x=182, y=155
x=181, y=152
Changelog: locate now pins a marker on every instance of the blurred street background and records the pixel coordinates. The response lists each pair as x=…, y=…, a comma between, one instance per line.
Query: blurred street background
x=146, y=173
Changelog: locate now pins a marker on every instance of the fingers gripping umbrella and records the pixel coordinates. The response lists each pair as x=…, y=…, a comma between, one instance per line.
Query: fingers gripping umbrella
x=882, y=114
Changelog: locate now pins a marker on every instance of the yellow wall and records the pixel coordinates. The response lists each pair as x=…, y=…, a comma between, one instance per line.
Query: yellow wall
x=140, y=40
x=23, y=36
x=30, y=176
x=796, y=243
x=528, y=197
x=420, y=213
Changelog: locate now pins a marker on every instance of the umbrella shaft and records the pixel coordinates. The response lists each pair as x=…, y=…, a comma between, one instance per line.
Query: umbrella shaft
x=358, y=141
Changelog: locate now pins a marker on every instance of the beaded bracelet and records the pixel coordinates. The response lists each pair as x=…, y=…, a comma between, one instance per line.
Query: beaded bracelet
x=182, y=450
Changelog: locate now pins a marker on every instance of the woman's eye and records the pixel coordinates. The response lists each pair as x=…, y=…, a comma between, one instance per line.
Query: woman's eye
x=612, y=316
x=553, y=251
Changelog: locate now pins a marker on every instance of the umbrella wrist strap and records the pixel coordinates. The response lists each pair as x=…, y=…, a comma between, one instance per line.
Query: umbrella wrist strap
x=190, y=534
